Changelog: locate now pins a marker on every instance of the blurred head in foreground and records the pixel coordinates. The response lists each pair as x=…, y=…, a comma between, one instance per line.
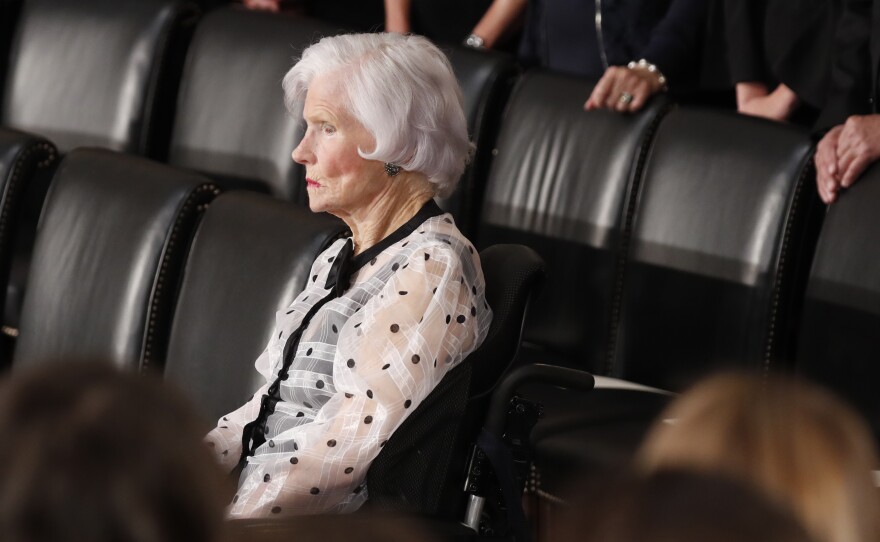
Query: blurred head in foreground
x=677, y=505
x=796, y=442
x=90, y=453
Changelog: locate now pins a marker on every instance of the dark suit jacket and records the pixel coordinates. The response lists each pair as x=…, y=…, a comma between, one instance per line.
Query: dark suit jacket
x=855, y=65
x=782, y=41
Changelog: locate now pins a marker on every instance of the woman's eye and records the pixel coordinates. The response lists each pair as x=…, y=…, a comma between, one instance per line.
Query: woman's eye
x=328, y=129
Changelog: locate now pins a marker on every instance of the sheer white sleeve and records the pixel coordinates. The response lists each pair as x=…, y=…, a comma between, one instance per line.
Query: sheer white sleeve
x=390, y=354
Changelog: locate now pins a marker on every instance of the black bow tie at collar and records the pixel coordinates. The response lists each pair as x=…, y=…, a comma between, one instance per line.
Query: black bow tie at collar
x=339, y=277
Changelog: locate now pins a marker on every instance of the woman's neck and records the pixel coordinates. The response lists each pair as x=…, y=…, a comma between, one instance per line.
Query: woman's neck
x=389, y=211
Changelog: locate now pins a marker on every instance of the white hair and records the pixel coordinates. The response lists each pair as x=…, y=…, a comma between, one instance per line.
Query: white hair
x=401, y=88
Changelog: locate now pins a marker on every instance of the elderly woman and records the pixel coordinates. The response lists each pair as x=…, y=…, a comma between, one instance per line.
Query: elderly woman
x=389, y=310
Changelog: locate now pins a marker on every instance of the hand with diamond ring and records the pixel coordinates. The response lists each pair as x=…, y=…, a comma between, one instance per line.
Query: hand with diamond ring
x=624, y=89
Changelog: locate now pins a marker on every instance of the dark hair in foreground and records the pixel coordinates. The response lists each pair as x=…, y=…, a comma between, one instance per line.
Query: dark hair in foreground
x=677, y=506
x=90, y=453
x=367, y=526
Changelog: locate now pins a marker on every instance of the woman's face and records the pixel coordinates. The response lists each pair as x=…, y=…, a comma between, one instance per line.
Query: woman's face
x=338, y=180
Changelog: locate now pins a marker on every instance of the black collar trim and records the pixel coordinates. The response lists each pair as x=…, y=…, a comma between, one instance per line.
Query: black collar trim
x=428, y=210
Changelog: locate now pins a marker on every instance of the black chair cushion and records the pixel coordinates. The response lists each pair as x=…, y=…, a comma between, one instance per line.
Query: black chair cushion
x=560, y=183
x=231, y=123
x=250, y=258
x=838, y=343
x=719, y=244
x=107, y=259
x=89, y=72
x=486, y=80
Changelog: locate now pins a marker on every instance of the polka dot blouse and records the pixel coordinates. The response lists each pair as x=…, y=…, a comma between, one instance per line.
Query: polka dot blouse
x=363, y=361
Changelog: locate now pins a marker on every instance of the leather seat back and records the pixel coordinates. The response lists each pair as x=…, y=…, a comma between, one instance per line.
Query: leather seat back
x=231, y=123
x=107, y=260
x=486, y=79
x=250, y=258
x=838, y=343
x=91, y=72
x=720, y=246
x=560, y=183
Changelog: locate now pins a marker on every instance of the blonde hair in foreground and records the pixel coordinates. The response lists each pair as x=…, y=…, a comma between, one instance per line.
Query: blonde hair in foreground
x=790, y=438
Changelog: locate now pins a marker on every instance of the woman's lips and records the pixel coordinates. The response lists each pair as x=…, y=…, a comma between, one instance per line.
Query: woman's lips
x=310, y=183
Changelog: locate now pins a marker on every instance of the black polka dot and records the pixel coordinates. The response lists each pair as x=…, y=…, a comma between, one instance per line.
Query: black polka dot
x=368, y=419
x=267, y=478
x=225, y=419
x=271, y=443
x=307, y=405
x=382, y=444
x=395, y=328
x=435, y=363
x=309, y=352
x=448, y=318
x=235, y=499
x=314, y=278
x=350, y=363
x=290, y=311
x=331, y=443
x=348, y=396
x=407, y=403
x=461, y=318
x=471, y=249
x=225, y=452
x=276, y=509
x=280, y=334
x=395, y=267
x=357, y=490
x=427, y=256
x=434, y=291
x=473, y=311
x=319, y=384
x=224, y=427
x=403, y=292
x=422, y=232
x=447, y=241
x=294, y=460
x=314, y=491
x=474, y=290
x=386, y=366
x=334, y=328
x=349, y=470
x=299, y=414
x=373, y=261
x=405, y=265
x=416, y=358
x=403, y=245
x=295, y=446
x=447, y=221
x=357, y=325
x=306, y=298
x=331, y=258
x=370, y=394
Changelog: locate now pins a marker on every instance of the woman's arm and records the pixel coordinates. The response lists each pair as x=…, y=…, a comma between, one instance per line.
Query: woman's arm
x=501, y=16
x=397, y=16
x=389, y=357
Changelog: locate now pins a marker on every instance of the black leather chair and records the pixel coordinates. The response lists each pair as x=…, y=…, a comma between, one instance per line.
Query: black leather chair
x=421, y=468
x=838, y=342
x=250, y=258
x=724, y=229
x=486, y=80
x=107, y=260
x=26, y=164
x=94, y=72
x=561, y=183
x=724, y=232
x=231, y=123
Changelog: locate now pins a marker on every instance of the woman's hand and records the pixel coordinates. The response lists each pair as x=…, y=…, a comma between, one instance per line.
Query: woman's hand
x=263, y=5
x=754, y=99
x=624, y=89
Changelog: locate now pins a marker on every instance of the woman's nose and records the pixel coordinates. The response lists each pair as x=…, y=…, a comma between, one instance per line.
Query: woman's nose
x=302, y=154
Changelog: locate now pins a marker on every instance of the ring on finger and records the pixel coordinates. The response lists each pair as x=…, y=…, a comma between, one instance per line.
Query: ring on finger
x=625, y=98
